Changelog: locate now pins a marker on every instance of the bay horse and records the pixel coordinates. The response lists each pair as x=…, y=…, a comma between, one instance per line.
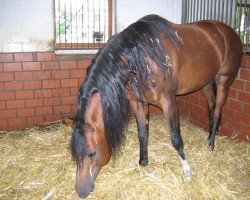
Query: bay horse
x=150, y=62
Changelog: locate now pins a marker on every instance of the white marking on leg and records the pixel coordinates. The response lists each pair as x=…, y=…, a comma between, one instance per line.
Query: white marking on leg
x=90, y=171
x=186, y=170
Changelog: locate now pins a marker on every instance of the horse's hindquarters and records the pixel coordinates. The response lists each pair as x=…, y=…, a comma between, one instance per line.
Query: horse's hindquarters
x=208, y=48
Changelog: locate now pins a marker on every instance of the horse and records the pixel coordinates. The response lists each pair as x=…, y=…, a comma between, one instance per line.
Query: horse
x=150, y=63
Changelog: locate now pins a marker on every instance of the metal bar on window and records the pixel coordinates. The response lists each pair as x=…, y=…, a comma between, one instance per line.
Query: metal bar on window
x=70, y=22
x=225, y=11
x=82, y=31
x=105, y=15
x=88, y=23
x=82, y=23
x=203, y=9
x=234, y=14
x=207, y=9
x=75, y=28
x=194, y=1
x=59, y=22
x=99, y=24
x=196, y=10
x=222, y=10
x=229, y=12
x=65, y=22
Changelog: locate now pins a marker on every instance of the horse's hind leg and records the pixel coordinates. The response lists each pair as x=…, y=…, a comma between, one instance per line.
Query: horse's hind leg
x=223, y=85
x=172, y=116
x=209, y=93
x=141, y=115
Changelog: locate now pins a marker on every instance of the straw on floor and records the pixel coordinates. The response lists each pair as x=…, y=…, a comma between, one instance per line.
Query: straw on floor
x=36, y=164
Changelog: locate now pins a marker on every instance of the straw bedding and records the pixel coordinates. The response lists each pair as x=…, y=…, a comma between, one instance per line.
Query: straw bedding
x=36, y=164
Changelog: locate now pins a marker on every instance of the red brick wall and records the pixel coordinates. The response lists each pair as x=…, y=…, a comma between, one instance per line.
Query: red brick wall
x=36, y=88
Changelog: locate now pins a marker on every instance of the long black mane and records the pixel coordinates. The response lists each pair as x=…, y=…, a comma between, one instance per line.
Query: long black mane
x=121, y=61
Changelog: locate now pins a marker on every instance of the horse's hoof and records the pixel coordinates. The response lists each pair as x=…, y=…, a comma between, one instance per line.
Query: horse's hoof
x=211, y=147
x=143, y=162
x=186, y=170
x=187, y=173
x=187, y=179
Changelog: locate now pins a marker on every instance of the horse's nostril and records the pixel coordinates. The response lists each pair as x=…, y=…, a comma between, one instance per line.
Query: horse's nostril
x=83, y=194
x=85, y=191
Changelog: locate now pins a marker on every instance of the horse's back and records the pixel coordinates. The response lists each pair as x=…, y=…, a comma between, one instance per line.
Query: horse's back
x=232, y=49
x=207, y=48
x=224, y=36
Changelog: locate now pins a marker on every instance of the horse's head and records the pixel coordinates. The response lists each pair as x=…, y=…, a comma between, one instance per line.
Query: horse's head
x=94, y=144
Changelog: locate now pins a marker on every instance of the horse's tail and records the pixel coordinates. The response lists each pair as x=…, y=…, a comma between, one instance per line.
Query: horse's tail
x=215, y=88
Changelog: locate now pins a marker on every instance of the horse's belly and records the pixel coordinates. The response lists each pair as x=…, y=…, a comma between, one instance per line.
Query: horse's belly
x=194, y=77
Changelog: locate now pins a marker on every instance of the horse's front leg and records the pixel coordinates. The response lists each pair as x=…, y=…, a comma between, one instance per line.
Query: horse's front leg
x=141, y=115
x=172, y=116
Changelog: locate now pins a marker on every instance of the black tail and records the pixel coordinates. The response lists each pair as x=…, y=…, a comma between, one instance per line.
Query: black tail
x=215, y=88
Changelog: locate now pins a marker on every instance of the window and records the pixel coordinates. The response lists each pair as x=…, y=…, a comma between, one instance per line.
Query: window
x=222, y=10
x=243, y=23
x=82, y=24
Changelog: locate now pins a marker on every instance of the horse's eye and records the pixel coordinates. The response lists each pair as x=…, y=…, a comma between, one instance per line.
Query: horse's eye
x=91, y=155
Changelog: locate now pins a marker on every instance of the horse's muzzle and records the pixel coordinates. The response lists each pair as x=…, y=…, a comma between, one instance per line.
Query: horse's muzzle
x=84, y=191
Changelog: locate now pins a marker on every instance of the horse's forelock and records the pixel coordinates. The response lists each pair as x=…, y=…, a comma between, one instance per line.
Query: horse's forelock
x=78, y=144
x=78, y=139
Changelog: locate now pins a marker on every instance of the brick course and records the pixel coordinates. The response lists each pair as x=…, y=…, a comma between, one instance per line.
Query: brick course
x=36, y=88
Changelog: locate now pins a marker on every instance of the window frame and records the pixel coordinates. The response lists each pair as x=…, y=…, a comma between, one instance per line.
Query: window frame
x=83, y=46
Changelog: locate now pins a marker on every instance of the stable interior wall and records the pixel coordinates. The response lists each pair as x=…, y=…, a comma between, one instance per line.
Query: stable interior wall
x=37, y=85
x=129, y=11
x=26, y=25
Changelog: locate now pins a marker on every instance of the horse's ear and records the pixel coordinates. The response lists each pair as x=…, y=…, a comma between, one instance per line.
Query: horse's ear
x=93, y=116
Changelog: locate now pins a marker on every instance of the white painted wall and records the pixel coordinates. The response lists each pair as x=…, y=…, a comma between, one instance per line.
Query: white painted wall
x=28, y=25
x=129, y=11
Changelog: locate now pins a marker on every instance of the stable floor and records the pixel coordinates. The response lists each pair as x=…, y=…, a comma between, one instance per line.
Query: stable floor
x=36, y=164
